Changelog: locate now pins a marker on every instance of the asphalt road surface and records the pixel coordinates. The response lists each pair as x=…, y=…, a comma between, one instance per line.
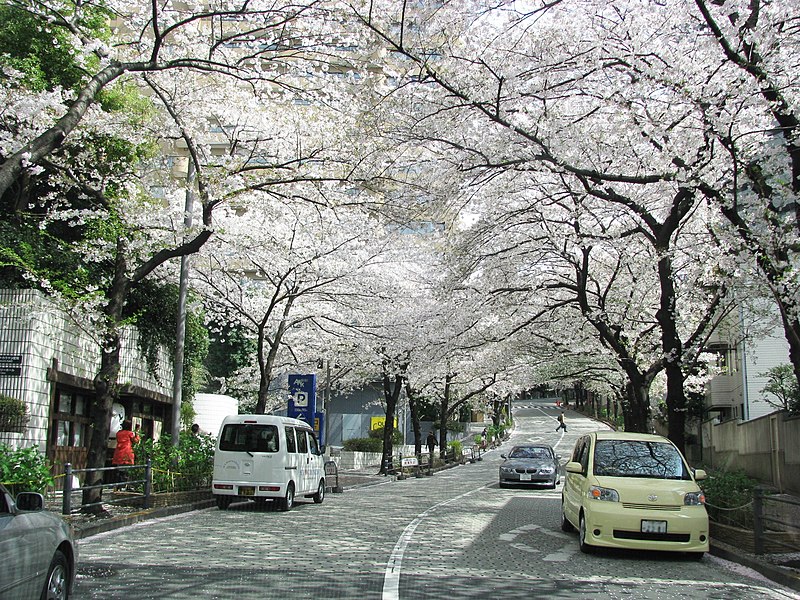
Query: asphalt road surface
x=453, y=535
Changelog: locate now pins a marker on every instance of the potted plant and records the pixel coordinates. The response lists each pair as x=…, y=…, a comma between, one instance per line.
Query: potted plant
x=13, y=414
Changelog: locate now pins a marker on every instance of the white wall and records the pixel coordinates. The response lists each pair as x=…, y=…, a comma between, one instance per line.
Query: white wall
x=211, y=409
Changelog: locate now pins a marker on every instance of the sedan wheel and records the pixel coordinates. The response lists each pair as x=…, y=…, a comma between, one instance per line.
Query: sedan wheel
x=56, y=586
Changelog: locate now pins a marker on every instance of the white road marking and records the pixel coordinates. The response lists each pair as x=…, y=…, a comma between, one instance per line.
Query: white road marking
x=391, y=578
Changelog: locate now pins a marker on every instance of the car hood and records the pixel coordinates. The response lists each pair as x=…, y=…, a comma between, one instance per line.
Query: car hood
x=650, y=492
x=527, y=463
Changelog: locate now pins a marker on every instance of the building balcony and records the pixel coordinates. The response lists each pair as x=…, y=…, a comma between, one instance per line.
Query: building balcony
x=724, y=392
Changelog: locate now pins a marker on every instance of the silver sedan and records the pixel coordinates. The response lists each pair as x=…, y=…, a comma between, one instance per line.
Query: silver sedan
x=534, y=464
x=37, y=549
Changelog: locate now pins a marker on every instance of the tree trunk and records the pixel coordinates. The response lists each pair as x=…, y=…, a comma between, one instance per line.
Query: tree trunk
x=414, y=410
x=636, y=408
x=444, y=410
x=391, y=394
x=106, y=382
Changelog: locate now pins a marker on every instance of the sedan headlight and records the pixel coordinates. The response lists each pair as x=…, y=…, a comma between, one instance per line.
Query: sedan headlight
x=506, y=469
x=546, y=470
x=600, y=493
x=694, y=499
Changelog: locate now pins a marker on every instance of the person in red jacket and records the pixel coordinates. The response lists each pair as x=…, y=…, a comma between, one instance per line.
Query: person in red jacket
x=123, y=454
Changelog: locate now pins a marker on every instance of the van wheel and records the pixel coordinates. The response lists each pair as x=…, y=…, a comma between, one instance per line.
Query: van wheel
x=320, y=495
x=223, y=502
x=565, y=524
x=288, y=500
x=585, y=548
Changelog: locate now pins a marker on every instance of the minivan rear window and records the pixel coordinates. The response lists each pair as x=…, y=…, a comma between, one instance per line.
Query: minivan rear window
x=249, y=437
x=633, y=458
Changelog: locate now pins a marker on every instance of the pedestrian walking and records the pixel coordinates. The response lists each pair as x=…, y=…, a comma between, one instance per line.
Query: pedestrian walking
x=123, y=453
x=561, y=423
x=431, y=443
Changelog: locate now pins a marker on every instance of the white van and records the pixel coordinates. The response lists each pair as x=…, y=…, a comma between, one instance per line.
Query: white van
x=260, y=457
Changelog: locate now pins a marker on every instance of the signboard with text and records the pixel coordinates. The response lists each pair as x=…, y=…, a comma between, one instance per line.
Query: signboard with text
x=11, y=364
x=302, y=397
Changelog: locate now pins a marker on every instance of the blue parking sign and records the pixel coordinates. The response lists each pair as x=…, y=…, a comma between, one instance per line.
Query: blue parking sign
x=302, y=397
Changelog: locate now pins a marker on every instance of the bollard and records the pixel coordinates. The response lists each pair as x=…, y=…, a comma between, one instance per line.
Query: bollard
x=148, y=482
x=66, y=500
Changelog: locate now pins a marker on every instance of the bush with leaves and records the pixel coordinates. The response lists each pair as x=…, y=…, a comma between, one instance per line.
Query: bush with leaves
x=24, y=470
x=368, y=444
x=188, y=466
x=729, y=495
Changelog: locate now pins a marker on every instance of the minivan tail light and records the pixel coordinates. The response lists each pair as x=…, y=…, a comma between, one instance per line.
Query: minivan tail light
x=269, y=488
x=223, y=486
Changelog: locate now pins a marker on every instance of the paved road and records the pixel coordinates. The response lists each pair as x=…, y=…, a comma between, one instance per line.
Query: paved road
x=453, y=535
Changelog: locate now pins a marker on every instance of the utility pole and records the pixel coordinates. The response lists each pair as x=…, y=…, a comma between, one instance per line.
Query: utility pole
x=180, y=334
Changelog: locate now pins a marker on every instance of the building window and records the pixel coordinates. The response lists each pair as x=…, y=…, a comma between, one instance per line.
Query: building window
x=71, y=418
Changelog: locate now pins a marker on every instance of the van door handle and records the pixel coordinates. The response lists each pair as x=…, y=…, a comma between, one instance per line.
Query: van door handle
x=290, y=468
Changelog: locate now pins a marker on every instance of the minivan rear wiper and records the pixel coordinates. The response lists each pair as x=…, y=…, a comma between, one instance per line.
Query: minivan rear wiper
x=250, y=453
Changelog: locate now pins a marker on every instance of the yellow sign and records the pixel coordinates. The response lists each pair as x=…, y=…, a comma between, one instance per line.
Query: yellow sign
x=379, y=422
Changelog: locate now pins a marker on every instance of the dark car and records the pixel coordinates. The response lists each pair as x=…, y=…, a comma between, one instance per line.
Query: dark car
x=534, y=464
x=37, y=550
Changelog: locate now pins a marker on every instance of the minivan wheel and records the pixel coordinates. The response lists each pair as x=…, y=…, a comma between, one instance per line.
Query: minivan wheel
x=585, y=548
x=320, y=495
x=56, y=586
x=223, y=502
x=565, y=524
x=288, y=500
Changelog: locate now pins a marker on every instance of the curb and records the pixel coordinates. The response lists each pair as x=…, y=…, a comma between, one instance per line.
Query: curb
x=785, y=577
x=90, y=529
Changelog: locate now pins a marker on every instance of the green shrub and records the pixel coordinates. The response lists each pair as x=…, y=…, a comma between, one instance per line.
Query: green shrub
x=457, y=447
x=728, y=497
x=397, y=437
x=24, y=470
x=188, y=466
x=368, y=444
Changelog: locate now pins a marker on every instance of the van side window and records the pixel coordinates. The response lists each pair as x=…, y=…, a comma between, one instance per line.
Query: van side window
x=302, y=444
x=312, y=444
x=291, y=445
x=576, y=453
x=584, y=457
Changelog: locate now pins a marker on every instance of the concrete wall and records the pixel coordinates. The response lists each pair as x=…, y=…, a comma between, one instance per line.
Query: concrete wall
x=766, y=448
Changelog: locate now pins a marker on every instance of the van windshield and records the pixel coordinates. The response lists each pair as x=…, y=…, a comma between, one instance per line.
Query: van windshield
x=249, y=437
x=626, y=458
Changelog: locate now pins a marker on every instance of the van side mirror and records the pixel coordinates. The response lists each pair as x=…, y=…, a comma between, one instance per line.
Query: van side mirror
x=700, y=474
x=573, y=467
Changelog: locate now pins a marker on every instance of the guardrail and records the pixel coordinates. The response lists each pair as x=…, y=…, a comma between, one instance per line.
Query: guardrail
x=66, y=506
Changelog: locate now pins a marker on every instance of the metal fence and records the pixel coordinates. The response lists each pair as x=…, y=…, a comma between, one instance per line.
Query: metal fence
x=71, y=493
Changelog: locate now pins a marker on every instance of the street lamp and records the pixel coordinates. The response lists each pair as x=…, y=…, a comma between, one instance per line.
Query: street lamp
x=180, y=333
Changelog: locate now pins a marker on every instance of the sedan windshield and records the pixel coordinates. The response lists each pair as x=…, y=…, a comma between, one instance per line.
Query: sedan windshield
x=529, y=452
x=654, y=460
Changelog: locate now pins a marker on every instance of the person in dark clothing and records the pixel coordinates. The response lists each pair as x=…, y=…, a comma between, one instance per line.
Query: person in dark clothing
x=431, y=442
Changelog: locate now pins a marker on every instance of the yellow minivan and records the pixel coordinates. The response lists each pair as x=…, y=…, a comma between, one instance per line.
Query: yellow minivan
x=633, y=490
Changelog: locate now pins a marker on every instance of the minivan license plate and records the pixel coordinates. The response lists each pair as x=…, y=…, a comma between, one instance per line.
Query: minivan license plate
x=249, y=490
x=654, y=527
